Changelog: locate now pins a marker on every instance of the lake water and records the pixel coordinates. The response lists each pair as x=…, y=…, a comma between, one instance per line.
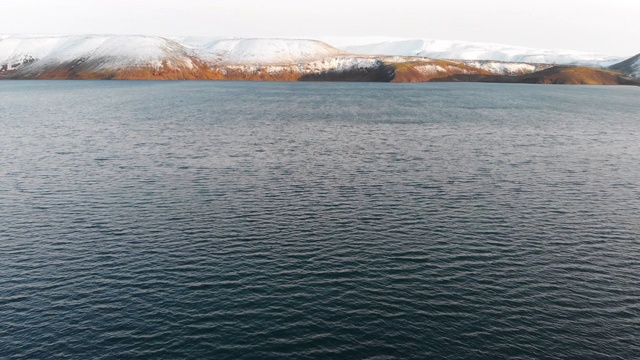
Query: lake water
x=318, y=220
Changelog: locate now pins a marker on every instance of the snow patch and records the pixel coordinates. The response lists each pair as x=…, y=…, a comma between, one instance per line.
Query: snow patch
x=507, y=68
x=341, y=64
x=433, y=69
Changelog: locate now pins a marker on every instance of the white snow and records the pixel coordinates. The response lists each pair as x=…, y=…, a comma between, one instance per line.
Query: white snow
x=337, y=64
x=109, y=51
x=465, y=50
x=263, y=51
x=506, y=68
x=434, y=69
x=341, y=64
x=101, y=51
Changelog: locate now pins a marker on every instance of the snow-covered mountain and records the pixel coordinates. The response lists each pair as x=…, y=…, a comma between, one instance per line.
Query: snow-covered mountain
x=115, y=56
x=263, y=51
x=94, y=52
x=629, y=67
x=137, y=50
x=465, y=50
x=150, y=57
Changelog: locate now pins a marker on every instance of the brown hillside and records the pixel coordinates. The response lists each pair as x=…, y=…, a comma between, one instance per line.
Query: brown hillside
x=413, y=70
x=421, y=71
x=565, y=75
x=574, y=75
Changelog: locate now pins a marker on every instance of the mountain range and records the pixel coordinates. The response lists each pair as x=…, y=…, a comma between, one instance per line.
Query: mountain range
x=445, y=49
x=151, y=57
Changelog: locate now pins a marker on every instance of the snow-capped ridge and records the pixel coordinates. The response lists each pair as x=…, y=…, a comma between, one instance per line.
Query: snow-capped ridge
x=264, y=51
x=153, y=57
x=100, y=51
x=506, y=68
x=466, y=50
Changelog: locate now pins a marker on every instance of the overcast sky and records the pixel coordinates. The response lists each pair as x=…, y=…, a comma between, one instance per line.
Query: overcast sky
x=603, y=26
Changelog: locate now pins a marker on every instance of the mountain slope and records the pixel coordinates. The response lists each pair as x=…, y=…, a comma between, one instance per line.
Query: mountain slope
x=464, y=50
x=563, y=74
x=417, y=69
x=629, y=67
x=91, y=56
x=144, y=57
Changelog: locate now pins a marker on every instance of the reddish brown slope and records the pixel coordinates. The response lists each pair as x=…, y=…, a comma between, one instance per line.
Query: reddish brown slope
x=423, y=71
x=565, y=75
x=574, y=75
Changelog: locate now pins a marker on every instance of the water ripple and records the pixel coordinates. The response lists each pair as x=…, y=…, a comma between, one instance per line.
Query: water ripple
x=240, y=225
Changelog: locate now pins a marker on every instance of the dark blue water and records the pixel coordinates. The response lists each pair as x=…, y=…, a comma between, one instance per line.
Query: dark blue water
x=253, y=220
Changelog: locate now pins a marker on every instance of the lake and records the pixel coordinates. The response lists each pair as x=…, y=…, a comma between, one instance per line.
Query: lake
x=237, y=220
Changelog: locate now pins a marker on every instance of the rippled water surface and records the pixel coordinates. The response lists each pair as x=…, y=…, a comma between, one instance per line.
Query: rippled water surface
x=318, y=220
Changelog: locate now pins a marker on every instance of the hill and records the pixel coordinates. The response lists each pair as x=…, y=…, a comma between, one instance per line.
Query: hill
x=629, y=67
x=564, y=75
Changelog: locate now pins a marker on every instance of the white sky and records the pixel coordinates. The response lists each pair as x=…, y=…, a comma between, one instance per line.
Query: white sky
x=602, y=26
